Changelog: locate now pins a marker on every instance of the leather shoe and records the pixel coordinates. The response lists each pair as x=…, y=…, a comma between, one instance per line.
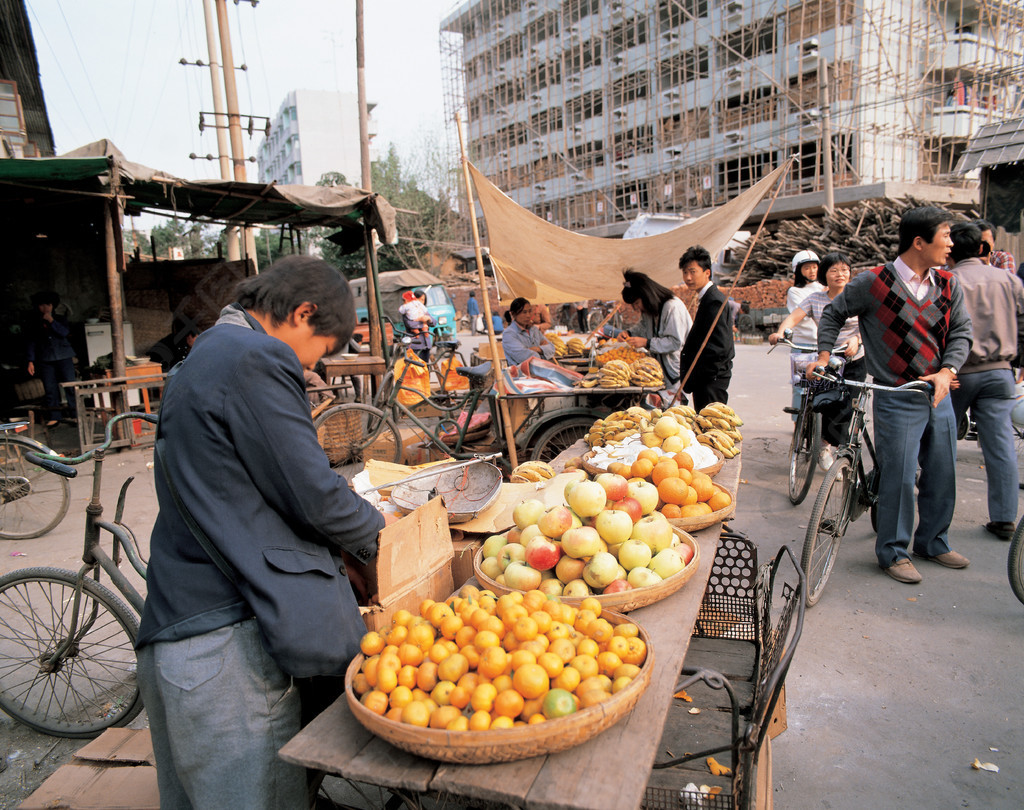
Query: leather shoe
x=950, y=559
x=903, y=571
x=1001, y=529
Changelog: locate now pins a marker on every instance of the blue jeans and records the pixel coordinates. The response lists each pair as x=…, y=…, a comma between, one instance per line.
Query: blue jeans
x=53, y=373
x=219, y=709
x=990, y=396
x=909, y=433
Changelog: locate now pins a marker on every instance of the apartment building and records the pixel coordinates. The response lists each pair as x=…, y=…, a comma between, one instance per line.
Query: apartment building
x=588, y=112
x=314, y=131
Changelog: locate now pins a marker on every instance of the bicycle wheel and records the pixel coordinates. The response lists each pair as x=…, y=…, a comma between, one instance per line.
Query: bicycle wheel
x=829, y=518
x=93, y=687
x=32, y=500
x=351, y=433
x=1015, y=562
x=803, y=453
x=560, y=436
x=1018, y=437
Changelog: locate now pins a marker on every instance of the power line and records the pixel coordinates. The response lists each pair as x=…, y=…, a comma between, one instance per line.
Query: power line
x=85, y=71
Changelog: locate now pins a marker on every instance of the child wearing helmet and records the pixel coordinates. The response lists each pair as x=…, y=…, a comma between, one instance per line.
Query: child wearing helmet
x=805, y=283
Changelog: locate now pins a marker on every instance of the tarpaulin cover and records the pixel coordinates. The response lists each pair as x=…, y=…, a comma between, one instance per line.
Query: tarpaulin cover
x=550, y=265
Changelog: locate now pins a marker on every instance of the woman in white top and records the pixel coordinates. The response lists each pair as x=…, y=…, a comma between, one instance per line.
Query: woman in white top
x=834, y=269
x=805, y=282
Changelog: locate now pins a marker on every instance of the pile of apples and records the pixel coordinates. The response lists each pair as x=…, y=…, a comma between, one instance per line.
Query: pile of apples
x=608, y=537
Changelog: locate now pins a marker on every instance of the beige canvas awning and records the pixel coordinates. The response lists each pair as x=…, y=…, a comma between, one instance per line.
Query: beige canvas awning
x=550, y=265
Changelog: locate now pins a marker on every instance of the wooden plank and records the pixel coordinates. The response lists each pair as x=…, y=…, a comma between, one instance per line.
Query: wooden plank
x=379, y=763
x=734, y=659
x=329, y=742
x=507, y=782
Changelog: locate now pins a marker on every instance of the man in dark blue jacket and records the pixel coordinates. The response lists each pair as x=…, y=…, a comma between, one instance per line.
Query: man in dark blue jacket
x=238, y=446
x=709, y=364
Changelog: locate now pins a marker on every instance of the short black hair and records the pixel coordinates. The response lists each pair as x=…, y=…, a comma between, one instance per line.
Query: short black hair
x=643, y=288
x=967, y=242
x=518, y=305
x=696, y=254
x=828, y=260
x=294, y=280
x=985, y=225
x=924, y=222
x=45, y=297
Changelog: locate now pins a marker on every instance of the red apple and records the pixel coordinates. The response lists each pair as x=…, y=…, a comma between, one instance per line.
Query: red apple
x=542, y=554
x=555, y=522
x=631, y=506
x=617, y=586
x=685, y=551
x=582, y=542
x=513, y=534
x=615, y=486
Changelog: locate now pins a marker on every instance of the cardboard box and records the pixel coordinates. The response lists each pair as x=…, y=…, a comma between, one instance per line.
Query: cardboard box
x=414, y=562
x=381, y=449
x=114, y=772
x=462, y=563
x=777, y=722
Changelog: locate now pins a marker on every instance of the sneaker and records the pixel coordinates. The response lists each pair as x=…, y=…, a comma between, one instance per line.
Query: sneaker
x=825, y=459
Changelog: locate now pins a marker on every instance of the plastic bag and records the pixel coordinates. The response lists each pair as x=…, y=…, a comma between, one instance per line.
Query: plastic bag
x=416, y=383
x=453, y=381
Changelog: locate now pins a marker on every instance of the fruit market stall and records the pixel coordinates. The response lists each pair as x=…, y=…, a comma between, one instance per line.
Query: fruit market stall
x=609, y=769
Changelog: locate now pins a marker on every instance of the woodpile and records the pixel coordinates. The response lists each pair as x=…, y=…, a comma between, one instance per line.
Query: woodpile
x=867, y=232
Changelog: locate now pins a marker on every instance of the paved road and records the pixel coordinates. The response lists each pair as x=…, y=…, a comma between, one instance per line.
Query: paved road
x=894, y=690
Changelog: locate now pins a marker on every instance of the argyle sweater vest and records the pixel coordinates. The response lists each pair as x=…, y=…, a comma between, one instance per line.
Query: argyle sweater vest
x=914, y=331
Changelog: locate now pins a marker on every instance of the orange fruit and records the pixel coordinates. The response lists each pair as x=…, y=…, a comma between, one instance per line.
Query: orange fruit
x=437, y=613
x=533, y=600
x=601, y=630
x=372, y=643
x=620, y=468
x=407, y=676
x=592, y=697
x=400, y=697
x=425, y=605
x=521, y=658
x=450, y=626
x=459, y=697
x=503, y=681
x=422, y=635
x=442, y=693
x=410, y=654
x=564, y=649
x=494, y=625
x=460, y=723
x=641, y=468
x=416, y=713
x=536, y=646
x=472, y=655
x=426, y=676
x=551, y=663
x=637, y=653
x=453, y=667
x=618, y=645
x=568, y=679
x=397, y=635
x=443, y=716
x=625, y=671
x=376, y=702
x=477, y=617
x=702, y=483
x=691, y=510
x=648, y=454
x=480, y=721
x=558, y=703
x=394, y=714
x=402, y=617
x=508, y=703
x=387, y=679
x=592, y=604
x=531, y=680
x=543, y=620
x=627, y=629
x=664, y=469
x=485, y=639
x=602, y=682
x=620, y=683
x=525, y=629
x=588, y=646
x=493, y=662
x=720, y=500
x=482, y=699
x=684, y=461
x=670, y=510
x=686, y=475
x=608, y=662
x=370, y=670
x=673, y=491
x=360, y=684
x=536, y=718
x=583, y=619
x=502, y=722
x=586, y=665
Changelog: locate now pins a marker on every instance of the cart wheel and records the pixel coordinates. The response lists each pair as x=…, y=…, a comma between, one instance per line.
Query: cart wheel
x=560, y=436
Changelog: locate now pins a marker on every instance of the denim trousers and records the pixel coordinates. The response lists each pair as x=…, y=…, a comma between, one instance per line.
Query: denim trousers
x=910, y=433
x=990, y=397
x=53, y=373
x=219, y=710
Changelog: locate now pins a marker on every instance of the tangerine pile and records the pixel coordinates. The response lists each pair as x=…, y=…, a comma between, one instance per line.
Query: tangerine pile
x=481, y=662
x=684, y=492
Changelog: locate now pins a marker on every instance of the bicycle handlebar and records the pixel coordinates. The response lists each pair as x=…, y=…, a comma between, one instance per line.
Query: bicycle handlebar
x=786, y=340
x=60, y=461
x=830, y=374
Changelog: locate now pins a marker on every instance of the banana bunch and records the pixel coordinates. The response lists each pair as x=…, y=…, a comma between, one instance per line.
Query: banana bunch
x=646, y=372
x=531, y=472
x=576, y=347
x=615, y=374
x=618, y=426
x=720, y=441
x=561, y=350
x=591, y=380
x=721, y=417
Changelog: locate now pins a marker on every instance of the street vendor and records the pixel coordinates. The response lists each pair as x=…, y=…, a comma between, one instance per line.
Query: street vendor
x=250, y=611
x=521, y=338
x=664, y=322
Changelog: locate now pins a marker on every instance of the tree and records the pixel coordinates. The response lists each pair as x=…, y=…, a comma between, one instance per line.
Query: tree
x=196, y=240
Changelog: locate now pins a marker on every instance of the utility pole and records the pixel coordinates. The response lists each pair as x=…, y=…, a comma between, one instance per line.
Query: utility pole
x=234, y=121
x=234, y=252
x=826, y=134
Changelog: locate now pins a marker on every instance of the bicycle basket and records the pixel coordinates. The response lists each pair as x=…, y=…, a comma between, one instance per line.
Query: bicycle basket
x=339, y=434
x=798, y=368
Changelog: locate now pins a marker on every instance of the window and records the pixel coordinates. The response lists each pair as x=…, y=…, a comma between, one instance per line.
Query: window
x=636, y=141
x=737, y=175
x=629, y=88
x=626, y=35
x=673, y=13
x=747, y=42
x=746, y=109
x=632, y=195
x=583, y=56
x=587, y=155
x=688, y=126
x=684, y=67
x=542, y=28
x=575, y=10
x=547, y=121
x=589, y=105
x=544, y=74
x=810, y=18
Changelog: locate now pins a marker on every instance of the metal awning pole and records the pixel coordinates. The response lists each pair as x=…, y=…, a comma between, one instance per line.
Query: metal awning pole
x=499, y=377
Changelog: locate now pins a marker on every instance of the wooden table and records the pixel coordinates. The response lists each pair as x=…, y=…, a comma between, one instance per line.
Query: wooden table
x=608, y=772
x=363, y=365
x=100, y=393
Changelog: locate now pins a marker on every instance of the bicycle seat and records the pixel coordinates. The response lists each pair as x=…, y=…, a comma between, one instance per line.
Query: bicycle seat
x=479, y=371
x=448, y=344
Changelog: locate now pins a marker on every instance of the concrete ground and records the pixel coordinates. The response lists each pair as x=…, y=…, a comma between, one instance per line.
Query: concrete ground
x=894, y=689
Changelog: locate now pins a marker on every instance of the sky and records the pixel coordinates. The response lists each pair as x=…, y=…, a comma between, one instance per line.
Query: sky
x=109, y=69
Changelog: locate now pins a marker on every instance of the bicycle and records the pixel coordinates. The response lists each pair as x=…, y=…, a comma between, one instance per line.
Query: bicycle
x=33, y=501
x=805, y=445
x=67, y=641
x=848, y=490
x=1015, y=561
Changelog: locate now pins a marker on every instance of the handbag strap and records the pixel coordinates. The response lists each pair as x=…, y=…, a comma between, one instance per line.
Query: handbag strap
x=225, y=567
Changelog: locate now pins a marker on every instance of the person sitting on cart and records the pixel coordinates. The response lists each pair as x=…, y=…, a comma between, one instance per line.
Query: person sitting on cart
x=664, y=323
x=521, y=338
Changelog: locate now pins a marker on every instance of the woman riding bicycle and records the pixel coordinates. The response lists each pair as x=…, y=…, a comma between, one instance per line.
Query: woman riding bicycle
x=834, y=271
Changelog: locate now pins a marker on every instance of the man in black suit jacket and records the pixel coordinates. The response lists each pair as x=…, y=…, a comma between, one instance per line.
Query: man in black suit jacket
x=712, y=367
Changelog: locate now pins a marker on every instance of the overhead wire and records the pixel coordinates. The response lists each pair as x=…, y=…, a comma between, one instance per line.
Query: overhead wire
x=124, y=67
x=140, y=73
x=85, y=70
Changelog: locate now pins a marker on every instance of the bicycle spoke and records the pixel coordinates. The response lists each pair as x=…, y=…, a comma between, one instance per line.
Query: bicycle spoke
x=828, y=521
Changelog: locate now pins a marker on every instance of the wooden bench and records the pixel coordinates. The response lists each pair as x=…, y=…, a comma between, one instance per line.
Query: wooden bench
x=746, y=632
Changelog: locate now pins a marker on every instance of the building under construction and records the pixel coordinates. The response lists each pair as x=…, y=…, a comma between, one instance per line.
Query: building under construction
x=588, y=112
